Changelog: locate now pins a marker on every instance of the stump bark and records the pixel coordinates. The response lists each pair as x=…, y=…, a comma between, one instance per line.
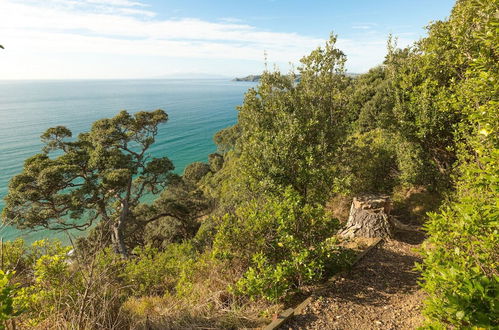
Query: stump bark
x=369, y=217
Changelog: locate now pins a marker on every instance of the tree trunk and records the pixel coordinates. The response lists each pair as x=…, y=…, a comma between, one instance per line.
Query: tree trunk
x=369, y=217
x=118, y=239
x=118, y=227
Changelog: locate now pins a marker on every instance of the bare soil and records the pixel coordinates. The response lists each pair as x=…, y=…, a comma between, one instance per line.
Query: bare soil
x=380, y=292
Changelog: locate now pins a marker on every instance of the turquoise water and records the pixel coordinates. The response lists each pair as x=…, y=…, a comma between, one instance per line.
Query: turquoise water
x=197, y=109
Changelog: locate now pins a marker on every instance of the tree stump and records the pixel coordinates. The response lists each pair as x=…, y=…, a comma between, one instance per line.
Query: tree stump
x=369, y=217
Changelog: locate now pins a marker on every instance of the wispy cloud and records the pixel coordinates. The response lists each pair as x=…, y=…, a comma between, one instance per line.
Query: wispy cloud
x=364, y=26
x=122, y=3
x=231, y=20
x=67, y=28
x=122, y=29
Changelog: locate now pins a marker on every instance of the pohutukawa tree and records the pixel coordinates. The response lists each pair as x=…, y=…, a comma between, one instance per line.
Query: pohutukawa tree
x=99, y=176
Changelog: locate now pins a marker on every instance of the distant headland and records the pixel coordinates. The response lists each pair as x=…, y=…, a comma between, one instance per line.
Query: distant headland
x=256, y=77
x=251, y=78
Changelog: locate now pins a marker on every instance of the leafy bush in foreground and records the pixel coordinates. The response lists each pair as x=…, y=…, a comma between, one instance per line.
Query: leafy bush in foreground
x=461, y=259
x=154, y=272
x=7, y=310
x=281, y=242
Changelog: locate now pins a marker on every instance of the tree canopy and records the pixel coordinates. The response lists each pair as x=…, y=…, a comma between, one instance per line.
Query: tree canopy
x=99, y=176
x=258, y=220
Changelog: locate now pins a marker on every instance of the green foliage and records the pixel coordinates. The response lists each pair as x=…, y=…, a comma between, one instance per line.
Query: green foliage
x=7, y=291
x=281, y=241
x=174, y=216
x=205, y=234
x=154, y=272
x=251, y=222
x=102, y=175
x=274, y=281
x=423, y=79
x=379, y=152
x=216, y=162
x=15, y=258
x=368, y=164
x=228, y=187
x=372, y=100
x=290, y=131
x=377, y=161
x=194, y=172
x=460, y=257
x=460, y=266
x=461, y=260
x=49, y=287
x=59, y=290
x=226, y=138
x=19, y=257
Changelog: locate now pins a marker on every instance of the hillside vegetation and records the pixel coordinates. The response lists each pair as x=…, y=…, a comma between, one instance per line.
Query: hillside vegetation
x=227, y=242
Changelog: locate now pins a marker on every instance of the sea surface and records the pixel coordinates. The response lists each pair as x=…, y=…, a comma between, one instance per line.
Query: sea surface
x=197, y=109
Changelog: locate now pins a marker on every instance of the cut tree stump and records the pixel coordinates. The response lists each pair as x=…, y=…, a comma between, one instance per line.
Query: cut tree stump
x=369, y=217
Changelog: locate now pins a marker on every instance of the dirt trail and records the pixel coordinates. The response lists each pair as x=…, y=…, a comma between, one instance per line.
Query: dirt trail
x=380, y=292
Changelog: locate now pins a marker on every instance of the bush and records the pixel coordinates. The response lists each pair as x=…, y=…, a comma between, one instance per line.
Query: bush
x=194, y=172
x=59, y=291
x=7, y=291
x=460, y=256
x=367, y=164
x=280, y=241
x=461, y=261
x=153, y=272
x=216, y=162
x=274, y=281
x=377, y=161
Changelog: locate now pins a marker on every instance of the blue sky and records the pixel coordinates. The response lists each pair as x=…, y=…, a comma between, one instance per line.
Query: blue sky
x=85, y=39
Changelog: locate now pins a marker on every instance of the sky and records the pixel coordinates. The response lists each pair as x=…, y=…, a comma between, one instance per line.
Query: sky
x=123, y=39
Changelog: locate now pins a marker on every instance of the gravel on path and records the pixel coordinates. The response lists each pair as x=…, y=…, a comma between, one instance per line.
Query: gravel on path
x=380, y=292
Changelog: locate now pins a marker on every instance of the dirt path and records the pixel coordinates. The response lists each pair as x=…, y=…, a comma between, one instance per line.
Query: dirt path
x=380, y=292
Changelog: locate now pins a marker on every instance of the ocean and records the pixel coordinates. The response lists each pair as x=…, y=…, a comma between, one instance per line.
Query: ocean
x=197, y=109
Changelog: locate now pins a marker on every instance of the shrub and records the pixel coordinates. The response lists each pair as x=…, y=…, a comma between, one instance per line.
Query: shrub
x=280, y=241
x=216, y=162
x=367, y=164
x=461, y=261
x=153, y=272
x=61, y=291
x=196, y=171
x=7, y=290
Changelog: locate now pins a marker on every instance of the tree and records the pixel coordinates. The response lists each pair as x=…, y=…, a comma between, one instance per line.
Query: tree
x=226, y=138
x=290, y=131
x=459, y=270
x=371, y=100
x=194, y=172
x=100, y=176
x=216, y=162
x=177, y=212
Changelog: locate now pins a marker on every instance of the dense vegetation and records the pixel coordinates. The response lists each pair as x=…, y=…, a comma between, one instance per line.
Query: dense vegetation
x=223, y=243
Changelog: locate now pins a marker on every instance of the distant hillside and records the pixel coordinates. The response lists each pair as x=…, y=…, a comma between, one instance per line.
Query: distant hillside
x=252, y=78
x=256, y=78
